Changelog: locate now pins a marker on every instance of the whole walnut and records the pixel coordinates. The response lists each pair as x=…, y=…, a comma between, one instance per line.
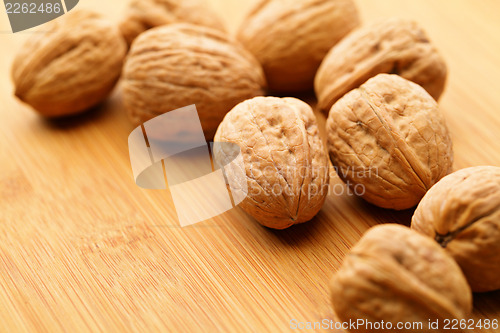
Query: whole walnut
x=181, y=64
x=396, y=275
x=290, y=38
x=69, y=65
x=285, y=164
x=142, y=15
x=393, y=46
x=462, y=213
x=389, y=142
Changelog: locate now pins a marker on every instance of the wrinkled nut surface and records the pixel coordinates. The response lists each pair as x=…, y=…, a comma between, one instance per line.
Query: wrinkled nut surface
x=389, y=142
x=142, y=15
x=462, y=213
x=393, y=46
x=176, y=65
x=397, y=275
x=285, y=163
x=290, y=38
x=70, y=65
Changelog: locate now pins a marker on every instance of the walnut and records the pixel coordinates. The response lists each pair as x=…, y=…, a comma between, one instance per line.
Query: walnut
x=394, y=274
x=69, y=66
x=285, y=163
x=392, y=46
x=181, y=64
x=462, y=213
x=389, y=141
x=142, y=15
x=290, y=38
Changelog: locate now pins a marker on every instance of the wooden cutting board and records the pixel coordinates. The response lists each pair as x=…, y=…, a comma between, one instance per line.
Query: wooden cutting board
x=82, y=248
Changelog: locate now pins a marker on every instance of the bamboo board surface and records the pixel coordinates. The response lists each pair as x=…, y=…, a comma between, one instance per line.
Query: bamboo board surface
x=82, y=248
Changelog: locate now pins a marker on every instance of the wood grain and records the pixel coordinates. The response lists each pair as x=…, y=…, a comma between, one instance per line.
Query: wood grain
x=82, y=248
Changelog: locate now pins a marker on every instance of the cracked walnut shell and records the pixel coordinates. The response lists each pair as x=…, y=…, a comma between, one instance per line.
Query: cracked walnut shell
x=394, y=274
x=142, y=15
x=285, y=164
x=69, y=66
x=389, y=138
x=462, y=213
x=181, y=64
x=392, y=46
x=290, y=38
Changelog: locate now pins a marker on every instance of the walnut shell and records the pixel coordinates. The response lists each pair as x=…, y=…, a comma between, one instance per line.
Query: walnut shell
x=71, y=64
x=389, y=142
x=394, y=274
x=142, y=15
x=285, y=163
x=462, y=213
x=181, y=64
x=290, y=38
x=392, y=46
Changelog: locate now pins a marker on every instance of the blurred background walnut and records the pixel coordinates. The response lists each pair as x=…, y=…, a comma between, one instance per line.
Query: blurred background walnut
x=394, y=274
x=69, y=65
x=290, y=38
x=462, y=213
x=390, y=138
x=285, y=162
x=181, y=64
x=142, y=15
x=393, y=46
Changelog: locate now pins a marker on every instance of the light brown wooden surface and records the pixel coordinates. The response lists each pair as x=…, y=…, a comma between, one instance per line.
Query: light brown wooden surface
x=82, y=248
